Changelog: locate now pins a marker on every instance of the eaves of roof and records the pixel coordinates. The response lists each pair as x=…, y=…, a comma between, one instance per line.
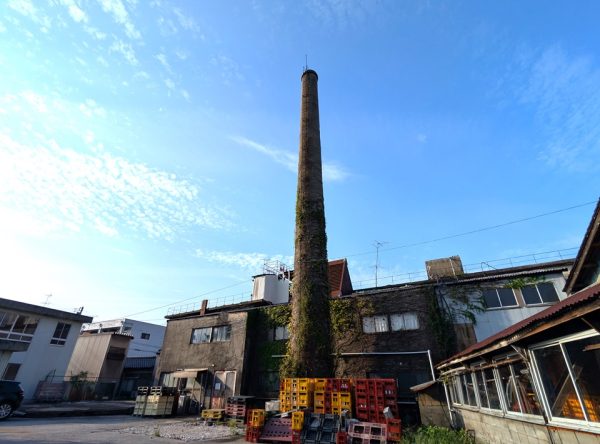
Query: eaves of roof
x=590, y=295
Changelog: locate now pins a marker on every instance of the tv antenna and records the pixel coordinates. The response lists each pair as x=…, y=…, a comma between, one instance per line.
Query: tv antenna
x=47, y=301
x=377, y=244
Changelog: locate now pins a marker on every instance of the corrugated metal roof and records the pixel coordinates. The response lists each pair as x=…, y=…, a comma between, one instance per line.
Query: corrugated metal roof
x=586, y=295
x=140, y=362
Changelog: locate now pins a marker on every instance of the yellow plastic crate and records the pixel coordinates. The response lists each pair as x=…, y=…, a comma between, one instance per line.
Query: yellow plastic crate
x=256, y=418
x=297, y=421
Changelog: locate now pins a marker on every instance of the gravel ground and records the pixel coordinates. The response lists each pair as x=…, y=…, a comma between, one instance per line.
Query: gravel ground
x=185, y=431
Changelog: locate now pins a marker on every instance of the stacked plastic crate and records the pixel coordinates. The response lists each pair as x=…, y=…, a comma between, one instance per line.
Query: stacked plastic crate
x=394, y=430
x=140, y=401
x=297, y=426
x=372, y=396
x=236, y=409
x=321, y=429
x=256, y=421
x=296, y=393
x=367, y=433
x=332, y=395
x=160, y=401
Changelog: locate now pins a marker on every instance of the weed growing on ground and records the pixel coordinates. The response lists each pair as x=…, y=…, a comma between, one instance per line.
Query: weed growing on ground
x=437, y=435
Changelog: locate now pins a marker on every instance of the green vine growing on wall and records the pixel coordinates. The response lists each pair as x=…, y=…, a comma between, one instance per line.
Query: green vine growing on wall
x=519, y=283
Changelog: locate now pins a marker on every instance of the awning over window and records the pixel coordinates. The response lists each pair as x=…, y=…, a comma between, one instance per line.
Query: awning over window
x=188, y=372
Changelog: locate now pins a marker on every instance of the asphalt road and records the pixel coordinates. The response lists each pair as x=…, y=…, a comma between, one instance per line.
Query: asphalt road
x=93, y=430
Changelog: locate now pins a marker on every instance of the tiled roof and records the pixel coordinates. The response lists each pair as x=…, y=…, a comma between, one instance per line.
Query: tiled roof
x=339, y=278
x=588, y=295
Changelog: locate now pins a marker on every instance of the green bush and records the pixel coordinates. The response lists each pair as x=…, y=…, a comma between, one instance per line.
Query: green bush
x=437, y=435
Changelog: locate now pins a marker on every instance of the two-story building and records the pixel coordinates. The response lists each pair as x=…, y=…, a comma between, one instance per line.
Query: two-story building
x=36, y=342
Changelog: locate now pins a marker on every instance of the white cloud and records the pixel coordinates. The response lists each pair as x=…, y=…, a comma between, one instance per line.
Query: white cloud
x=27, y=9
x=162, y=58
x=182, y=54
x=185, y=21
x=563, y=91
x=72, y=190
x=331, y=172
x=229, y=68
x=90, y=109
x=98, y=35
x=185, y=94
x=248, y=261
x=170, y=83
x=76, y=13
x=120, y=16
x=421, y=138
x=125, y=50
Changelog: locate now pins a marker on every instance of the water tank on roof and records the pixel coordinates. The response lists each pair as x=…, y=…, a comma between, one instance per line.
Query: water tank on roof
x=271, y=287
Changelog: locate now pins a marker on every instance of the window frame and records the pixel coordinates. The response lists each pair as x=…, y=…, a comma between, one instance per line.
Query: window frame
x=212, y=335
x=60, y=340
x=500, y=307
x=145, y=336
x=20, y=336
x=544, y=400
x=403, y=316
x=539, y=293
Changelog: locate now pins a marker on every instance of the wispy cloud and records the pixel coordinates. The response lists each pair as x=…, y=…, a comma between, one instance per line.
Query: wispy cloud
x=339, y=13
x=126, y=50
x=104, y=192
x=162, y=58
x=229, y=69
x=76, y=13
x=185, y=21
x=331, y=171
x=564, y=93
x=247, y=261
x=117, y=9
x=27, y=9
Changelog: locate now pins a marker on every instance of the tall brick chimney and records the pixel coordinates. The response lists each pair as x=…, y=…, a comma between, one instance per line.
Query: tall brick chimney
x=309, y=353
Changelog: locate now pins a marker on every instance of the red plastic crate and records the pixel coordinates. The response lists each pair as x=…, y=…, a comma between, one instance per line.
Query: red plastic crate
x=252, y=434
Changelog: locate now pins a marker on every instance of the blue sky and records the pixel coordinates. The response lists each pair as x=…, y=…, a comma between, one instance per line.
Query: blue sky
x=148, y=148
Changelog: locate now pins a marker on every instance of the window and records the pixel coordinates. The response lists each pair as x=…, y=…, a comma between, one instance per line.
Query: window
x=404, y=321
x=499, y=297
x=145, y=336
x=492, y=389
x=211, y=334
x=17, y=327
x=375, y=324
x=221, y=334
x=483, y=397
x=539, y=294
x=509, y=390
x=468, y=381
x=569, y=374
x=60, y=334
x=529, y=400
x=10, y=372
x=201, y=335
x=280, y=333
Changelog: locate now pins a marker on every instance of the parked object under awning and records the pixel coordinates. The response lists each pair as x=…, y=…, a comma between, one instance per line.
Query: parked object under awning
x=188, y=372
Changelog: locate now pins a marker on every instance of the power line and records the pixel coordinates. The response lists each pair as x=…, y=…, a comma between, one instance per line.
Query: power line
x=478, y=230
x=186, y=299
x=452, y=236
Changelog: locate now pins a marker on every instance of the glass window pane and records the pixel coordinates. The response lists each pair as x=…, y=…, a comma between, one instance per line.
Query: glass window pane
x=481, y=389
x=492, y=389
x=468, y=389
x=557, y=383
x=507, y=297
x=369, y=325
x=397, y=322
x=381, y=323
x=31, y=326
x=585, y=361
x=529, y=398
x=530, y=295
x=411, y=321
x=548, y=292
x=491, y=298
x=7, y=321
x=508, y=389
x=460, y=390
x=200, y=335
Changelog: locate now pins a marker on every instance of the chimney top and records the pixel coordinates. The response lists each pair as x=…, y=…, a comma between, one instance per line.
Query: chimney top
x=312, y=71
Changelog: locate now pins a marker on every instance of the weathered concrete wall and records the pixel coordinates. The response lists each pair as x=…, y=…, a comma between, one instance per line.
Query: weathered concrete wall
x=178, y=352
x=89, y=354
x=496, y=429
x=433, y=406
